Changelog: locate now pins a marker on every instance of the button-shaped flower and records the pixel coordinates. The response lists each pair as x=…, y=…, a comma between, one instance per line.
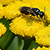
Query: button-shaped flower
x=12, y=10
x=43, y=36
x=25, y=26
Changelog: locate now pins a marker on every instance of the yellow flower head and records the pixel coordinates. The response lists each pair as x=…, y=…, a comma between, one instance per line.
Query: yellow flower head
x=25, y=26
x=4, y=2
x=43, y=36
x=2, y=29
x=43, y=48
x=12, y=10
x=1, y=11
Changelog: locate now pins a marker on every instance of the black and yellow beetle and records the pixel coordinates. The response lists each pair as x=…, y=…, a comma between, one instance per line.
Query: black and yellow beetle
x=33, y=11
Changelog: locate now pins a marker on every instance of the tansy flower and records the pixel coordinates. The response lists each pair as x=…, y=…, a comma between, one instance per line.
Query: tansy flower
x=4, y=2
x=12, y=10
x=43, y=48
x=43, y=36
x=25, y=26
x=2, y=29
x=1, y=11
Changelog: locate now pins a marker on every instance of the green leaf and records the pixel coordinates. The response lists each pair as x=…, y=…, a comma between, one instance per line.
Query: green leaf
x=20, y=43
x=14, y=44
x=33, y=45
x=8, y=37
x=30, y=43
x=17, y=44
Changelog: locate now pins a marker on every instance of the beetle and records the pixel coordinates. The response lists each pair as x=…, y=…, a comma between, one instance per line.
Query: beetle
x=33, y=11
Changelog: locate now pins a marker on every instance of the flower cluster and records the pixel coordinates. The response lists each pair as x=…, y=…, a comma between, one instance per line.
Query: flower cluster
x=23, y=25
